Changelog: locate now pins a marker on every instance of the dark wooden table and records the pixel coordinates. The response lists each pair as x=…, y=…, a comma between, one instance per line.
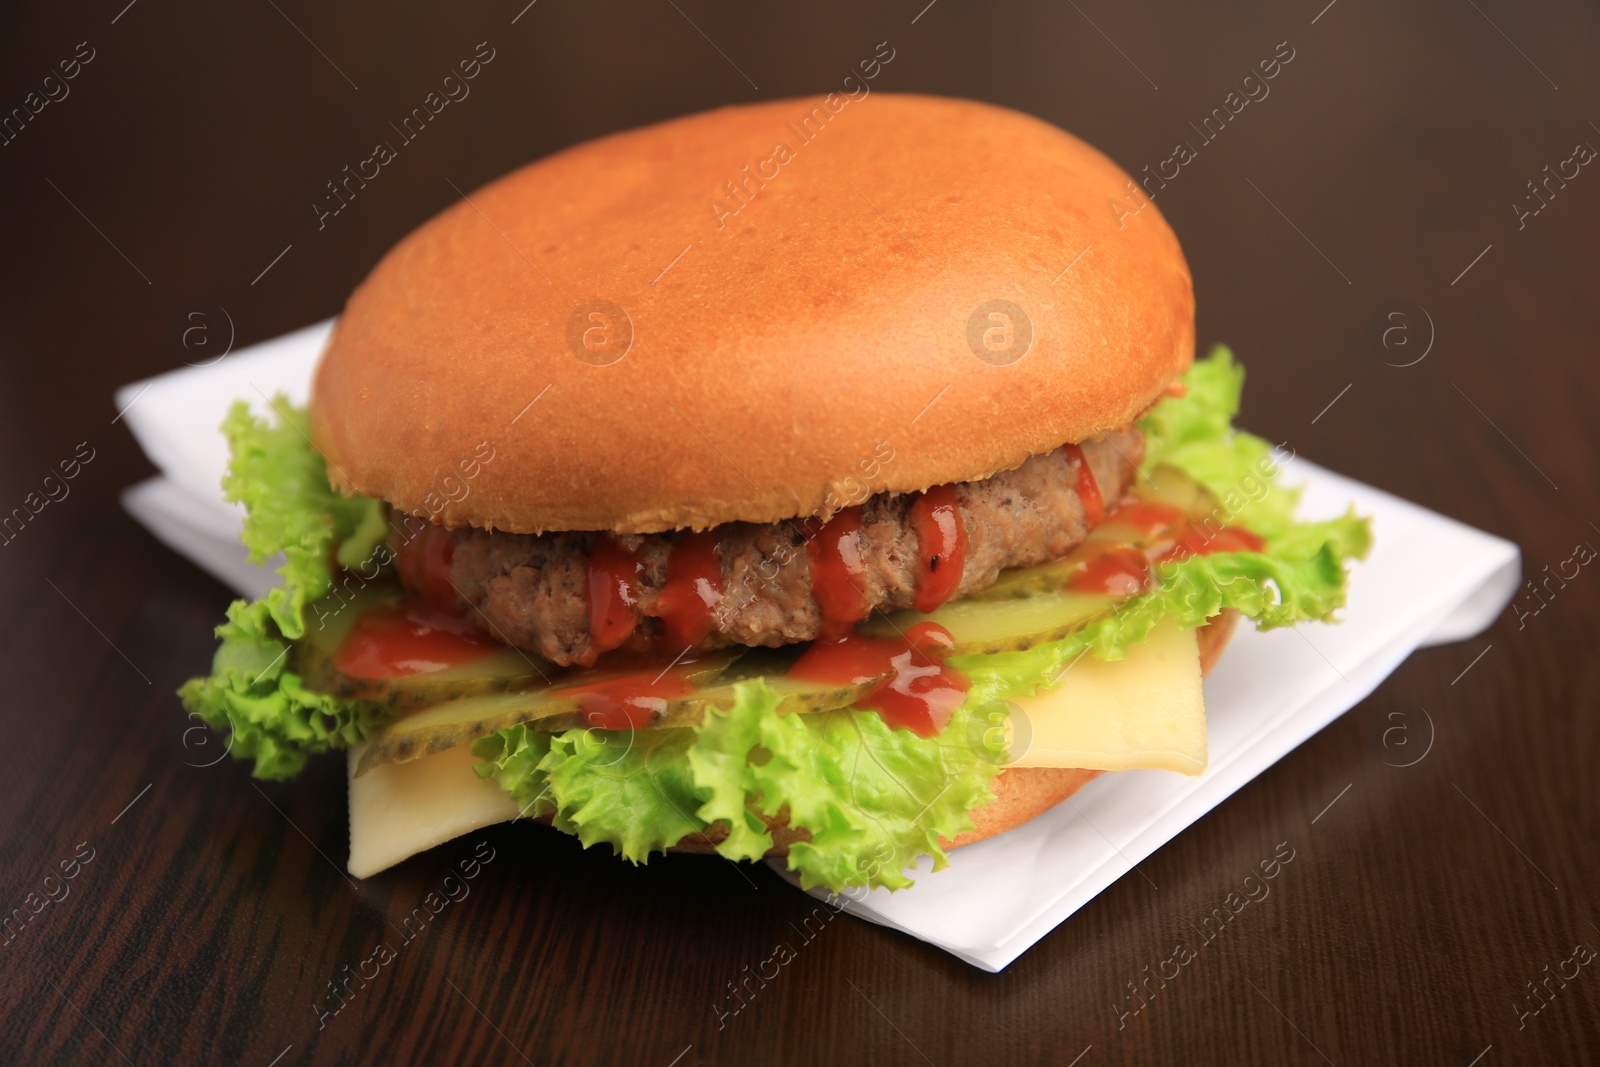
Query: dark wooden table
x=1387, y=171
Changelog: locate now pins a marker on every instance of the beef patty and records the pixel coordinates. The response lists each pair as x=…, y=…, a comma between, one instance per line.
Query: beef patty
x=531, y=590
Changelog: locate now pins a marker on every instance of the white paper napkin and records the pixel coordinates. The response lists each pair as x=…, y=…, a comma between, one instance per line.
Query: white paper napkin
x=1428, y=580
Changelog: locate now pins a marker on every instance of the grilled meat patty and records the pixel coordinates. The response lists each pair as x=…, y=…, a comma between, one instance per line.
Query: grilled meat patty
x=531, y=590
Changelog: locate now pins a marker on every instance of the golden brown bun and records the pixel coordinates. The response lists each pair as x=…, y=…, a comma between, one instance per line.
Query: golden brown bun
x=1020, y=793
x=792, y=345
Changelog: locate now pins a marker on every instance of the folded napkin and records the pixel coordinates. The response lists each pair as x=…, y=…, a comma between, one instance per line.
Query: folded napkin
x=1428, y=580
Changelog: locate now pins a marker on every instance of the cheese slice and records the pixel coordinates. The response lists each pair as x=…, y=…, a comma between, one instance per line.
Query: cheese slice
x=400, y=809
x=1142, y=712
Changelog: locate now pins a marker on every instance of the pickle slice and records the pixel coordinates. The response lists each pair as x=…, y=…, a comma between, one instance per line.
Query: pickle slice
x=461, y=721
x=796, y=696
x=1025, y=583
x=991, y=626
x=1169, y=485
x=328, y=623
x=553, y=708
x=458, y=722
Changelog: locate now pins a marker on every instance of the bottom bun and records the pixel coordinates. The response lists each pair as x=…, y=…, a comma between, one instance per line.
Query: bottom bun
x=1020, y=793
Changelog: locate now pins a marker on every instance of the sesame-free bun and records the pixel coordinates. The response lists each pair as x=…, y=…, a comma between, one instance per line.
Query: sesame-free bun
x=640, y=349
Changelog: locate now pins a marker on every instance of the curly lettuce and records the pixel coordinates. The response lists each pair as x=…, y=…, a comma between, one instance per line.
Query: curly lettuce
x=290, y=508
x=872, y=798
x=1194, y=432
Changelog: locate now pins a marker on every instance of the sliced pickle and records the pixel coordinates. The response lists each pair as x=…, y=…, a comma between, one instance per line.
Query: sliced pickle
x=991, y=626
x=1025, y=583
x=796, y=696
x=1169, y=485
x=328, y=622
x=458, y=722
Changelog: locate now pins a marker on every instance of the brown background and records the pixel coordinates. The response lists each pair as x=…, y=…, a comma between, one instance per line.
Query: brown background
x=1416, y=909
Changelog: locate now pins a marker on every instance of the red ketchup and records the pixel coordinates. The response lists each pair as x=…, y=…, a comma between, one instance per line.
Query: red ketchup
x=613, y=594
x=915, y=690
x=941, y=546
x=1094, y=505
x=1198, y=541
x=423, y=561
x=632, y=702
x=839, y=574
x=687, y=602
x=1121, y=570
x=393, y=642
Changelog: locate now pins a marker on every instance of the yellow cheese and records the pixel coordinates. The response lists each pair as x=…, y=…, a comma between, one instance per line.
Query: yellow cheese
x=400, y=809
x=1145, y=711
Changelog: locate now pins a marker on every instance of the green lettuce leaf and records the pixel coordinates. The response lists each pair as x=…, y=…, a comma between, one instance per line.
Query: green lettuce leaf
x=1195, y=433
x=632, y=790
x=719, y=760
x=1203, y=415
x=873, y=798
x=290, y=507
x=269, y=714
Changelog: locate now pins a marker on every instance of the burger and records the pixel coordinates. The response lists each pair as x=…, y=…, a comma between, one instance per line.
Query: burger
x=788, y=480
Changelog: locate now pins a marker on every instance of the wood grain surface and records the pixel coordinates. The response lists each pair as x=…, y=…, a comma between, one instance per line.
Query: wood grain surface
x=1382, y=173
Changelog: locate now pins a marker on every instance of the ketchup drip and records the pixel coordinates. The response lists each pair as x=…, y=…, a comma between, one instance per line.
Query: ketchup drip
x=1123, y=570
x=392, y=642
x=1198, y=541
x=632, y=702
x=941, y=546
x=692, y=591
x=423, y=561
x=914, y=689
x=613, y=594
x=1094, y=505
x=839, y=574
x=1120, y=571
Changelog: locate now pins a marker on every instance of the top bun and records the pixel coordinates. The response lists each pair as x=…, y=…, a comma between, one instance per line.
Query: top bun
x=755, y=313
